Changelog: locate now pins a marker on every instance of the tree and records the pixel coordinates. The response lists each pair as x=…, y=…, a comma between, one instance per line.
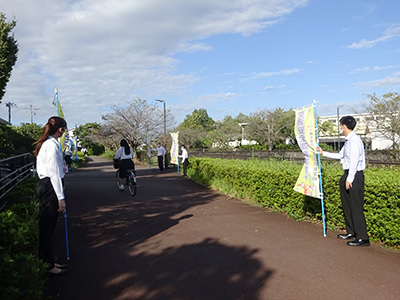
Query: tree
x=385, y=116
x=8, y=52
x=198, y=119
x=270, y=128
x=194, y=130
x=86, y=135
x=327, y=128
x=227, y=130
x=134, y=121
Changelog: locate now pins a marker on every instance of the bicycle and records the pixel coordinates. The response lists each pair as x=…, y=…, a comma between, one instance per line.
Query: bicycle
x=130, y=181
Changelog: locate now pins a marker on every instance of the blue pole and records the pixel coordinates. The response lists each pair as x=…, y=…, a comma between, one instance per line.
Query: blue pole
x=65, y=212
x=66, y=233
x=319, y=173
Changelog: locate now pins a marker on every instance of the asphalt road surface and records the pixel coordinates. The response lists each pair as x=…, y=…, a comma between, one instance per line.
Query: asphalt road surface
x=178, y=240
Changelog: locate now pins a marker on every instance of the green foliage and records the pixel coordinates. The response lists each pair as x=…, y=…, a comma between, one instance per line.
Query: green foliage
x=8, y=52
x=23, y=275
x=83, y=132
x=270, y=184
x=12, y=137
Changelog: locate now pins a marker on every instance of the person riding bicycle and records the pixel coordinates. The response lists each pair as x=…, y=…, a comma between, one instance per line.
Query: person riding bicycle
x=125, y=155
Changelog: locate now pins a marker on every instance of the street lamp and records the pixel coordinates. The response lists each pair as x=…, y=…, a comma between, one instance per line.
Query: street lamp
x=165, y=132
x=338, y=127
x=242, y=125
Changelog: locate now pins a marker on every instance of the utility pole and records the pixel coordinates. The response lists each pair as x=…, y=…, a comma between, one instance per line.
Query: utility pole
x=165, y=131
x=9, y=105
x=32, y=111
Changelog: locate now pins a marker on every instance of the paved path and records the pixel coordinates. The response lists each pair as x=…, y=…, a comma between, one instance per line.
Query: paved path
x=178, y=240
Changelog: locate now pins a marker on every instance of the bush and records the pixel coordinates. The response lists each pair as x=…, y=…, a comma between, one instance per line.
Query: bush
x=269, y=183
x=23, y=274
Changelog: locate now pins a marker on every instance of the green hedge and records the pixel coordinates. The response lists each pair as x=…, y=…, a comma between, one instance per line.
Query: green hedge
x=269, y=183
x=22, y=274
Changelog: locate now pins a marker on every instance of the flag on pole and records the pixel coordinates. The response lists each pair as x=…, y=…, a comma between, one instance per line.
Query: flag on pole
x=174, y=148
x=308, y=182
x=65, y=137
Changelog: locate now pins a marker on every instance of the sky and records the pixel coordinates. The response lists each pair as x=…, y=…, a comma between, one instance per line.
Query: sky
x=225, y=56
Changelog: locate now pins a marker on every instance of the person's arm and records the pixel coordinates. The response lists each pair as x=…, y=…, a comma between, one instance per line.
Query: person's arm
x=117, y=154
x=55, y=170
x=329, y=154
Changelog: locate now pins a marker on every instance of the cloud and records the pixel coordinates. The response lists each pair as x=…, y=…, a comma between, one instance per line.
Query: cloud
x=99, y=53
x=277, y=73
x=389, y=34
x=375, y=68
x=384, y=82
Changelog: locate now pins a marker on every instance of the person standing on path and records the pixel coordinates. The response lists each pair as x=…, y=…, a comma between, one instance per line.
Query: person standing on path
x=50, y=169
x=184, y=157
x=160, y=156
x=352, y=157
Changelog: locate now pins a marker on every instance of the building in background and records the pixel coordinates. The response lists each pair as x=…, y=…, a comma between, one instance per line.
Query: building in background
x=365, y=128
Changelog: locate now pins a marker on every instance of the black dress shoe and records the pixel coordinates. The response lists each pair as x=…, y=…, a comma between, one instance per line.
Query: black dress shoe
x=346, y=236
x=358, y=242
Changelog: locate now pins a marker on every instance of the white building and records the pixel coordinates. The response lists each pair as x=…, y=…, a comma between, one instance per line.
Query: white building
x=365, y=128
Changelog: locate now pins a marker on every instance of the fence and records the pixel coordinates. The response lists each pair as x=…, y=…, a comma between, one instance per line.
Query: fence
x=12, y=171
x=373, y=157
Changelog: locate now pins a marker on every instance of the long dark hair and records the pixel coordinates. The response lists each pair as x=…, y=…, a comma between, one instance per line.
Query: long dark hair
x=53, y=124
x=124, y=144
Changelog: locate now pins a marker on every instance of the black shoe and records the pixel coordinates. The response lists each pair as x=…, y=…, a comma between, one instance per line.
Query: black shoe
x=358, y=242
x=346, y=236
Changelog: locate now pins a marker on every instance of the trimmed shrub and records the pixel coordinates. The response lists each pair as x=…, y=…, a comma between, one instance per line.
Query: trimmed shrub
x=269, y=183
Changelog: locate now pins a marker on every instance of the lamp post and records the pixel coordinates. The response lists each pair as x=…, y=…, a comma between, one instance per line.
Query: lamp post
x=242, y=125
x=338, y=127
x=165, y=132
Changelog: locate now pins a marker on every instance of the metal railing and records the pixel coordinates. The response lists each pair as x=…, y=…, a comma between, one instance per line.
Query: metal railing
x=12, y=171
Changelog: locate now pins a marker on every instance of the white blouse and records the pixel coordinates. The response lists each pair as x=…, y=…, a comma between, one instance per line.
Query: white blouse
x=50, y=163
x=120, y=154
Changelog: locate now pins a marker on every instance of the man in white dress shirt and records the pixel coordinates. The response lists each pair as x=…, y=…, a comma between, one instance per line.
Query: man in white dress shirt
x=160, y=156
x=352, y=157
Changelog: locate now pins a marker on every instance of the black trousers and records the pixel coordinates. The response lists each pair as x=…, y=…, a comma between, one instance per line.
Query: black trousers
x=160, y=162
x=48, y=214
x=353, y=205
x=185, y=164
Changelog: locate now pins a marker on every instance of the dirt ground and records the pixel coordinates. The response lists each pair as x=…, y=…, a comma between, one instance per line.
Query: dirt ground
x=179, y=240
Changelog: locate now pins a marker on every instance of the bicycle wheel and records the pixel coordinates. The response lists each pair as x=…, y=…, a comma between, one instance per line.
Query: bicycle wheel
x=117, y=180
x=131, y=183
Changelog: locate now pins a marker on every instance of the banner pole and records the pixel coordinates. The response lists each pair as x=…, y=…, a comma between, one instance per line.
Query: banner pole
x=319, y=173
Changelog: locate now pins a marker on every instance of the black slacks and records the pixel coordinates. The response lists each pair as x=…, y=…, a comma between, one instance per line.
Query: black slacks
x=160, y=162
x=185, y=164
x=48, y=214
x=353, y=205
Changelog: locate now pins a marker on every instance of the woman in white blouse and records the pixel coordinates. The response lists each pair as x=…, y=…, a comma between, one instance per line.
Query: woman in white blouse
x=50, y=169
x=125, y=154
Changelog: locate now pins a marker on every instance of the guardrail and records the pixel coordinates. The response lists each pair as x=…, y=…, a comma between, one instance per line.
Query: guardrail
x=12, y=171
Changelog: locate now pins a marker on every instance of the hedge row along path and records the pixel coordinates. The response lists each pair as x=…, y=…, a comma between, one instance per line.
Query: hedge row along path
x=179, y=240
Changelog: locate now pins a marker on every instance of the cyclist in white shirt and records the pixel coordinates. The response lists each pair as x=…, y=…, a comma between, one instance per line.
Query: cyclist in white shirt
x=125, y=154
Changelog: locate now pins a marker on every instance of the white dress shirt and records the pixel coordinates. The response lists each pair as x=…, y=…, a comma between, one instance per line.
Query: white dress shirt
x=184, y=155
x=160, y=151
x=352, y=155
x=120, y=154
x=50, y=163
